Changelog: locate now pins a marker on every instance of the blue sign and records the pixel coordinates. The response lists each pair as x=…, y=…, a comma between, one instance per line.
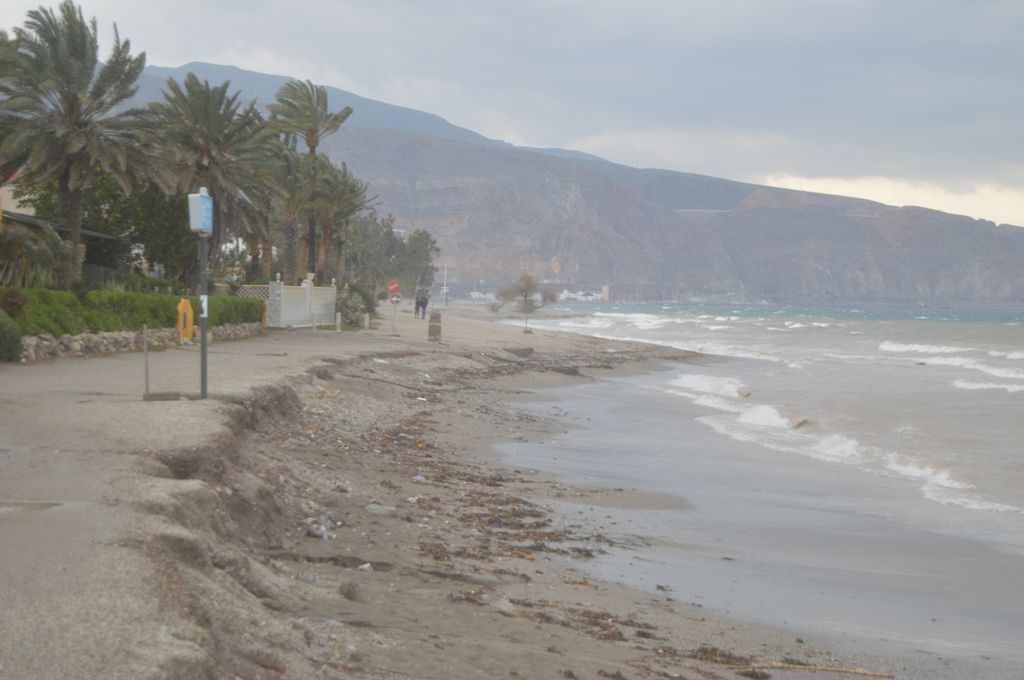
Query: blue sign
x=200, y=212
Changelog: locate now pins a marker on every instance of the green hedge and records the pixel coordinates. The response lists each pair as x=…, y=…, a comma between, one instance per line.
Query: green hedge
x=10, y=339
x=225, y=309
x=51, y=311
x=59, y=313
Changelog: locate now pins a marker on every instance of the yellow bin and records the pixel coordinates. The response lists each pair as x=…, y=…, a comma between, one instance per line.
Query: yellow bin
x=186, y=321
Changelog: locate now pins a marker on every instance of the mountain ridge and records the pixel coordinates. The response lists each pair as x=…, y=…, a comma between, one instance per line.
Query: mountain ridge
x=574, y=219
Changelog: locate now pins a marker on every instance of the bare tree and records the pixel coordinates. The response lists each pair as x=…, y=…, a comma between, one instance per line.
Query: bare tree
x=528, y=295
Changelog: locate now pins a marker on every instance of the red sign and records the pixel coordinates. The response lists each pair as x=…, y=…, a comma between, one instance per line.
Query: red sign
x=394, y=287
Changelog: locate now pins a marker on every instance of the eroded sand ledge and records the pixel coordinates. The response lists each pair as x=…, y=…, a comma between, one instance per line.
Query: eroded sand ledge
x=336, y=512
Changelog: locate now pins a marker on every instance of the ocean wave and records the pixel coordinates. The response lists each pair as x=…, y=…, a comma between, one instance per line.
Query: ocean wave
x=852, y=357
x=941, y=487
x=765, y=426
x=710, y=384
x=974, y=364
x=890, y=346
x=763, y=415
x=731, y=351
x=644, y=322
x=1016, y=356
x=837, y=448
x=969, y=385
x=931, y=476
x=585, y=322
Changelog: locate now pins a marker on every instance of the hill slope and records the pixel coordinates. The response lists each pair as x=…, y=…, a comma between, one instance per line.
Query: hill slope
x=499, y=210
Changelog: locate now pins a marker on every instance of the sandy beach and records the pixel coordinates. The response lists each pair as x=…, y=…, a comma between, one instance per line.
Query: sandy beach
x=337, y=509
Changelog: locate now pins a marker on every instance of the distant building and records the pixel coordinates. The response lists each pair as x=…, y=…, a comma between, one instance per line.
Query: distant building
x=399, y=234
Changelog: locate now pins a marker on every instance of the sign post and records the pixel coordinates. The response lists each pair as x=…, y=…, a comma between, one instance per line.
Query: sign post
x=200, y=221
x=395, y=288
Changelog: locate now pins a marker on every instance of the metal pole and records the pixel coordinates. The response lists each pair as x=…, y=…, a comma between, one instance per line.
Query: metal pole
x=145, y=353
x=202, y=311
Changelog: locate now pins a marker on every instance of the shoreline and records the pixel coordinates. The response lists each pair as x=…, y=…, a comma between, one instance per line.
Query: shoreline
x=365, y=450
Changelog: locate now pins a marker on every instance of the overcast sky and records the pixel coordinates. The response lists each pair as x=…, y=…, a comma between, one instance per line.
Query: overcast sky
x=903, y=101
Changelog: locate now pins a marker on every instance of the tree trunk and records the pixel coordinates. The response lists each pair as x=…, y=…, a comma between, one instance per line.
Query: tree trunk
x=71, y=215
x=311, y=244
x=265, y=259
x=290, y=255
x=321, y=253
x=302, y=251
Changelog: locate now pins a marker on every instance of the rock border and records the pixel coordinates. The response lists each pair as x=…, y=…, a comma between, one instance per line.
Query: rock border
x=40, y=348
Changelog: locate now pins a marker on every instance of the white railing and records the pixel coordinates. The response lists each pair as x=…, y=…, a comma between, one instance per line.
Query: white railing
x=255, y=292
x=300, y=306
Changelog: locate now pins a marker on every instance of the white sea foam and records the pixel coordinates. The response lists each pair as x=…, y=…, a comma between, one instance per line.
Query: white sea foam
x=969, y=385
x=710, y=384
x=731, y=351
x=837, y=448
x=707, y=400
x=890, y=346
x=711, y=401
x=974, y=364
x=852, y=357
x=585, y=323
x=916, y=470
x=643, y=322
x=1016, y=356
x=945, y=496
x=763, y=415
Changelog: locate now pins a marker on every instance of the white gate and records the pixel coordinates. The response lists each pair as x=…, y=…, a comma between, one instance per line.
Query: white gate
x=300, y=306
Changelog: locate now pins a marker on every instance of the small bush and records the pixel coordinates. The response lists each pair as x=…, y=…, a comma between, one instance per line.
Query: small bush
x=109, y=310
x=351, y=305
x=10, y=338
x=51, y=311
x=369, y=302
x=225, y=309
x=12, y=301
x=59, y=313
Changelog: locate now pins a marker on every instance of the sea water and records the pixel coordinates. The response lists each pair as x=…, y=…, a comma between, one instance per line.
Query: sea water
x=853, y=471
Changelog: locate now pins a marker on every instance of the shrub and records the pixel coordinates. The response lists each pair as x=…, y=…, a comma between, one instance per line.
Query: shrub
x=12, y=301
x=225, y=309
x=351, y=305
x=369, y=302
x=108, y=310
x=51, y=311
x=10, y=338
x=59, y=313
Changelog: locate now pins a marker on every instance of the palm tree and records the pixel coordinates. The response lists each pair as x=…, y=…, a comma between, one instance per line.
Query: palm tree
x=302, y=110
x=200, y=135
x=292, y=178
x=340, y=196
x=58, y=106
x=30, y=259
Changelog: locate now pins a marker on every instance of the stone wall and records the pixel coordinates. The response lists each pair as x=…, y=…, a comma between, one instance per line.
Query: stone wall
x=46, y=347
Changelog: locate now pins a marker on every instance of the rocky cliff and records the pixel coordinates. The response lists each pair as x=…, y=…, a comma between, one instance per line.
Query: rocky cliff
x=498, y=210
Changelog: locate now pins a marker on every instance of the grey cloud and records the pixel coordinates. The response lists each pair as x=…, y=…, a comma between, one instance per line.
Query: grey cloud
x=922, y=89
